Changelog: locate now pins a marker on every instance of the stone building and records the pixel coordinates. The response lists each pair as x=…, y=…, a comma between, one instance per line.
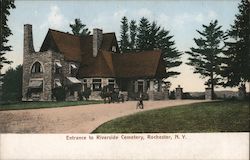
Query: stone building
x=94, y=61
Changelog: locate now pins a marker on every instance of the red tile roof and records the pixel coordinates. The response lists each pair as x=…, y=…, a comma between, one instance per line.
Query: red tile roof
x=105, y=64
x=74, y=47
x=146, y=64
x=141, y=64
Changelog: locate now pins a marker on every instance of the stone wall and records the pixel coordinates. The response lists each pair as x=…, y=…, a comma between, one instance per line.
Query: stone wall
x=29, y=58
x=45, y=59
x=154, y=95
x=178, y=93
x=95, y=95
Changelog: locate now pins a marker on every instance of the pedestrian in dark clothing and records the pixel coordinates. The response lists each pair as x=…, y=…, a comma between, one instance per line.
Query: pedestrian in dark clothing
x=140, y=102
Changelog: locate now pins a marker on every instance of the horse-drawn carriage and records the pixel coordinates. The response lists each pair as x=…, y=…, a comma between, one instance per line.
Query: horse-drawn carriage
x=111, y=95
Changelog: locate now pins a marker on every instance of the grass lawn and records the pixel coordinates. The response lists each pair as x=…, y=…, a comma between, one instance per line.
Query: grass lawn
x=37, y=105
x=225, y=116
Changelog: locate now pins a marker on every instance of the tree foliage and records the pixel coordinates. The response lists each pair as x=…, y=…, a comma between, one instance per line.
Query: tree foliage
x=133, y=33
x=237, y=68
x=207, y=57
x=150, y=36
x=124, y=38
x=143, y=38
x=79, y=29
x=12, y=84
x=5, y=31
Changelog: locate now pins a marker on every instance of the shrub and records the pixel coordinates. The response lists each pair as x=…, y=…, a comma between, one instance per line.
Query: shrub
x=186, y=95
x=59, y=93
x=172, y=95
x=86, y=93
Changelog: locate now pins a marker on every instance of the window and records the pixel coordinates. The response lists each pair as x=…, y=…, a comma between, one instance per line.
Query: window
x=140, y=86
x=111, y=84
x=72, y=69
x=36, y=68
x=57, y=83
x=97, y=84
x=58, y=67
x=84, y=86
x=113, y=49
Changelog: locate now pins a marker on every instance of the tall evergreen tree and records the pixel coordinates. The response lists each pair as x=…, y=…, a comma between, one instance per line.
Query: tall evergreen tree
x=153, y=36
x=143, y=35
x=5, y=31
x=124, y=39
x=79, y=29
x=237, y=68
x=133, y=33
x=159, y=38
x=170, y=53
x=150, y=36
x=207, y=57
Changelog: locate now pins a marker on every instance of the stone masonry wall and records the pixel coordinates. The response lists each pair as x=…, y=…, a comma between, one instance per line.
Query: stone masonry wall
x=45, y=59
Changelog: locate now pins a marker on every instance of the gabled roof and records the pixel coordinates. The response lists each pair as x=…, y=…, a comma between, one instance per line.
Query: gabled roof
x=99, y=66
x=136, y=65
x=145, y=64
x=74, y=47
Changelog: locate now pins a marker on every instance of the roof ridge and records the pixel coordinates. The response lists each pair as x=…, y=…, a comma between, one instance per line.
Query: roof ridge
x=77, y=35
x=70, y=34
x=140, y=52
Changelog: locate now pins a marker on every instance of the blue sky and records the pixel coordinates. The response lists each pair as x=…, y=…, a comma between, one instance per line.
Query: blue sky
x=182, y=18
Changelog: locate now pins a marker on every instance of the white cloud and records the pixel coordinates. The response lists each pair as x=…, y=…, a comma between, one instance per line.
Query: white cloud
x=55, y=19
x=187, y=18
x=212, y=15
x=199, y=17
x=119, y=14
x=144, y=12
x=163, y=20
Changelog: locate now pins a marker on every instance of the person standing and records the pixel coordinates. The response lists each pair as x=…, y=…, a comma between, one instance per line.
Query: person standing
x=140, y=102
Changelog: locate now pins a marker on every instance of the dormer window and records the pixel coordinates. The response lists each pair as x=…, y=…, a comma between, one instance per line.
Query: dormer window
x=57, y=83
x=58, y=67
x=72, y=68
x=113, y=49
x=37, y=68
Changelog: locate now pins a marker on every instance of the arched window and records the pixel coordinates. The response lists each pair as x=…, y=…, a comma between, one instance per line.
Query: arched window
x=36, y=68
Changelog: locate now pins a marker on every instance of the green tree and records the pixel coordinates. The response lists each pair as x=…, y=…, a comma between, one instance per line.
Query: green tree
x=237, y=68
x=153, y=36
x=207, y=57
x=143, y=35
x=79, y=29
x=133, y=33
x=171, y=55
x=12, y=84
x=150, y=36
x=124, y=38
x=159, y=38
x=5, y=31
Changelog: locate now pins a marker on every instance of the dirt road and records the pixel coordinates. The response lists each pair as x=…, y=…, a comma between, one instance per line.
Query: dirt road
x=75, y=119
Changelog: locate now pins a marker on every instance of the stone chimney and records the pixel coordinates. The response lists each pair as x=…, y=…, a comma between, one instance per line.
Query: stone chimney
x=28, y=39
x=97, y=40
